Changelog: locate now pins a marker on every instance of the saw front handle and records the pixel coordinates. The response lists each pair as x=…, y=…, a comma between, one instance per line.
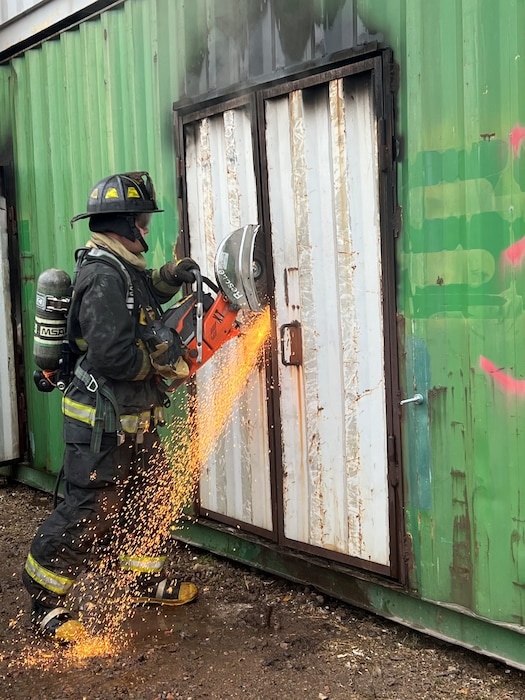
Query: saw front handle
x=199, y=313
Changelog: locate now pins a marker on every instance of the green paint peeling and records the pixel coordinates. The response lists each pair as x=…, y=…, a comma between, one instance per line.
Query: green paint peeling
x=461, y=189
x=462, y=290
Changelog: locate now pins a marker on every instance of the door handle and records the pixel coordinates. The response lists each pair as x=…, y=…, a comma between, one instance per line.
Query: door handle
x=417, y=398
x=291, y=344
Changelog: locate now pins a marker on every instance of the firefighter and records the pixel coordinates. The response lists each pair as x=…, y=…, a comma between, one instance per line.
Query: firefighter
x=113, y=461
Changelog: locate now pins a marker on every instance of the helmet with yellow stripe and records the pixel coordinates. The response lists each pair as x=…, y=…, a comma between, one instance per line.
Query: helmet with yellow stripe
x=124, y=193
x=115, y=202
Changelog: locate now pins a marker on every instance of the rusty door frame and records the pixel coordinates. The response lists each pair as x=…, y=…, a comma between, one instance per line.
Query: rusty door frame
x=384, y=79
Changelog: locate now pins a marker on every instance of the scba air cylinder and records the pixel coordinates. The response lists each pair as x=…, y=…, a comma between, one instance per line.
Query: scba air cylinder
x=52, y=304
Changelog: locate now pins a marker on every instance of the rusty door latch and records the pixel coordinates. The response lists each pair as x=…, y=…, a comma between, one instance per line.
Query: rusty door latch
x=291, y=344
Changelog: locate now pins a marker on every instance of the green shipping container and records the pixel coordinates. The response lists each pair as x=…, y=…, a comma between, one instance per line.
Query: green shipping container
x=440, y=98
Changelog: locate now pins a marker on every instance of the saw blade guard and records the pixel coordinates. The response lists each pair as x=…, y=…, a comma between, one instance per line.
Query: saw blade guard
x=240, y=268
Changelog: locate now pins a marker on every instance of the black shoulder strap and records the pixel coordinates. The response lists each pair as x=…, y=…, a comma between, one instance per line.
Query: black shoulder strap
x=80, y=256
x=84, y=256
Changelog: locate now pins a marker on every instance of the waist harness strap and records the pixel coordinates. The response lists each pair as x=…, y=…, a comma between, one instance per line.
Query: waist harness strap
x=107, y=417
x=103, y=415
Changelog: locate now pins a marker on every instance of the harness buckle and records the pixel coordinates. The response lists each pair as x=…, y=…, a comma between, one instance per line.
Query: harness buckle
x=93, y=384
x=121, y=437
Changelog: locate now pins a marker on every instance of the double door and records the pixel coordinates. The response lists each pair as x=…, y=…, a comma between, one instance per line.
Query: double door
x=309, y=458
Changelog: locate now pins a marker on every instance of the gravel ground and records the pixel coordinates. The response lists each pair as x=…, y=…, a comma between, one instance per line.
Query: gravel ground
x=248, y=635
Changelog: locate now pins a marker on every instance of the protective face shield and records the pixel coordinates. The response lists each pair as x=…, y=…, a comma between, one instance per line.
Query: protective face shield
x=141, y=221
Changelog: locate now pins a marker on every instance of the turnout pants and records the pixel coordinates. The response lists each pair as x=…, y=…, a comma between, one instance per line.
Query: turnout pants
x=111, y=502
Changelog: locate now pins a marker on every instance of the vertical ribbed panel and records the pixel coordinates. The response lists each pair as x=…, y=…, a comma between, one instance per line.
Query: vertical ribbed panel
x=231, y=42
x=462, y=285
x=88, y=104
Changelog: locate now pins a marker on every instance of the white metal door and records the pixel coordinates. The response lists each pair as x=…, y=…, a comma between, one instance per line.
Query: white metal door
x=221, y=195
x=322, y=159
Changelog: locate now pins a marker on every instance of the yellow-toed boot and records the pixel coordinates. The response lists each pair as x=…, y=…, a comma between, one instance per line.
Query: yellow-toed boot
x=165, y=592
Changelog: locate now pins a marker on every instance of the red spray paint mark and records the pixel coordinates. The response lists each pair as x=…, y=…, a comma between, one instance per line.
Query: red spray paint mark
x=506, y=382
x=516, y=137
x=514, y=254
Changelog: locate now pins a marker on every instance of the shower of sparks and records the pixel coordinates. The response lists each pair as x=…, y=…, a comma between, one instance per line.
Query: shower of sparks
x=192, y=439
x=211, y=409
x=153, y=506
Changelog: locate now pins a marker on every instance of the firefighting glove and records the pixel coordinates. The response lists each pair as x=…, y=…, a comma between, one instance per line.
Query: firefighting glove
x=177, y=272
x=165, y=351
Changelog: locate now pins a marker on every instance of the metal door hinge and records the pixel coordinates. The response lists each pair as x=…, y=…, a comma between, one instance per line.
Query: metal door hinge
x=179, y=177
x=11, y=220
x=391, y=448
x=393, y=465
x=394, y=77
x=397, y=221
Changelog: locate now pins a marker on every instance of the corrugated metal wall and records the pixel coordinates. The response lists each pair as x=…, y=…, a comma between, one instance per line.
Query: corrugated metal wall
x=95, y=101
x=461, y=117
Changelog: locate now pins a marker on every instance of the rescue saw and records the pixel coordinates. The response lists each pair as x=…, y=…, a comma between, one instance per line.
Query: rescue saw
x=205, y=320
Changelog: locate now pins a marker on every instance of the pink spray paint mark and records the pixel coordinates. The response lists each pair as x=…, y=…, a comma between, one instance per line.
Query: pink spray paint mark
x=516, y=137
x=509, y=384
x=515, y=253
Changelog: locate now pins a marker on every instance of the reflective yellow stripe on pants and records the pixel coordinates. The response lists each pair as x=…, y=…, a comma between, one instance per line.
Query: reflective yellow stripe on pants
x=78, y=411
x=131, y=423
x=144, y=565
x=47, y=579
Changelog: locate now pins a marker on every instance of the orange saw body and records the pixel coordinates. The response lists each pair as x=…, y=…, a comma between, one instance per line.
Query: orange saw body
x=219, y=324
x=205, y=321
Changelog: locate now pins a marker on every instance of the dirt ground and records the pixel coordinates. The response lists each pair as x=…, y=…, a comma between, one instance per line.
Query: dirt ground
x=248, y=635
